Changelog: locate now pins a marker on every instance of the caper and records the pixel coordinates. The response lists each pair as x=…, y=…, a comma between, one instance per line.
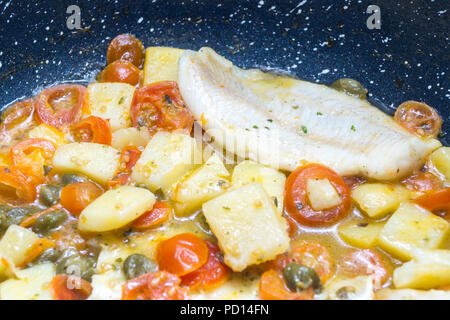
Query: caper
x=345, y=293
x=9, y=216
x=49, y=194
x=49, y=255
x=4, y=223
x=52, y=220
x=350, y=87
x=300, y=277
x=136, y=265
x=69, y=178
x=77, y=265
x=201, y=223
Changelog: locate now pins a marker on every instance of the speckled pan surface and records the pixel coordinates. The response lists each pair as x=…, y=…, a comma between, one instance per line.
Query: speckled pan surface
x=407, y=59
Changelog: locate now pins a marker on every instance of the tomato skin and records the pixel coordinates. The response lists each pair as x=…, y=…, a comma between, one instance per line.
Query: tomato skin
x=422, y=182
x=182, y=254
x=159, y=285
x=296, y=201
x=366, y=262
x=128, y=158
x=77, y=196
x=438, y=200
x=23, y=186
x=121, y=71
x=273, y=287
x=418, y=118
x=126, y=47
x=19, y=114
x=154, y=217
x=159, y=106
x=92, y=129
x=23, y=155
x=310, y=254
x=211, y=275
x=81, y=290
x=65, y=95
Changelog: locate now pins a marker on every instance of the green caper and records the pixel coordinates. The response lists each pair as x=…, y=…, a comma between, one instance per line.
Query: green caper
x=52, y=220
x=350, y=87
x=300, y=277
x=49, y=255
x=9, y=216
x=136, y=265
x=4, y=223
x=345, y=293
x=49, y=194
x=201, y=223
x=75, y=264
x=69, y=178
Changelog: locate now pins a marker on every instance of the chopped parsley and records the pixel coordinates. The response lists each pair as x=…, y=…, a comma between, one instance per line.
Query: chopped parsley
x=255, y=127
x=353, y=128
x=304, y=129
x=319, y=113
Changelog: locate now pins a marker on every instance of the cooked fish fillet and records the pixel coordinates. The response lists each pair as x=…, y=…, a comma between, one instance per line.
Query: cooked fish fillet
x=286, y=122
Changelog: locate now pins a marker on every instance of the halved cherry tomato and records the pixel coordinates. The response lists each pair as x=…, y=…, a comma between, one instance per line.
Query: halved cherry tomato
x=31, y=155
x=77, y=196
x=18, y=114
x=126, y=47
x=310, y=254
x=211, y=275
x=120, y=71
x=438, y=200
x=128, y=158
x=159, y=285
x=65, y=287
x=273, y=287
x=154, y=217
x=418, y=118
x=61, y=104
x=92, y=129
x=160, y=106
x=366, y=262
x=422, y=181
x=182, y=254
x=296, y=200
x=16, y=187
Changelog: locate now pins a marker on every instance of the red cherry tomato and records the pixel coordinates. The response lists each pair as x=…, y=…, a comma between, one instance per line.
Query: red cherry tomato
x=438, y=200
x=273, y=287
x=16, y=187
x=92, y=129
x=422, y=182
x=128, y=158
x=61, y=104
x=121, y=71
x=126, y=47
x=211, y=275
x=160, y=106
x=296, y=200
x=153, y=218
x=182, y=254
x=159, y=285
x=18, y=115
x=77, y=196
x=65, y=287
x=418, y=118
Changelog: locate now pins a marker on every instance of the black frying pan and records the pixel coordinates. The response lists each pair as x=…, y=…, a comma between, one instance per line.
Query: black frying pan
x=407, y=59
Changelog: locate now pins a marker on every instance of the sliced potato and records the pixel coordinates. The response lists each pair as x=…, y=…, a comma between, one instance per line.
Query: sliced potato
x=15, y=244
x=49, y=133
x=248, y=226
x=203, y=184
x=441, y=160
x=130, y=137
x=32, y=284
x=165, y=159
x=360, y=234
x=410, y=294
x=412, y=227
x=271, y=179
x=379, y=199
x=115, y=209
x=111, y=101
x=161, y=64
x=108, y=285
x=321, y=194
x=98, y=161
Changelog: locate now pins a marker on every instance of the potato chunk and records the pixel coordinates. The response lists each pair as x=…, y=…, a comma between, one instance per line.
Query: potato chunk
x=161, y=64
x=166, y=158
x=271, y=179
x=130, y=137
x=115, y=209
x=15, y=244
x=321, y=194
x=249, y=228
x=441, y=160
x=111, y=101
x=32, y=284
x=49, y=133
x=412, y=227
x=379, y=199
x=203, y=184
x=429, y=269
x=97, y=161
x=360, y=234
